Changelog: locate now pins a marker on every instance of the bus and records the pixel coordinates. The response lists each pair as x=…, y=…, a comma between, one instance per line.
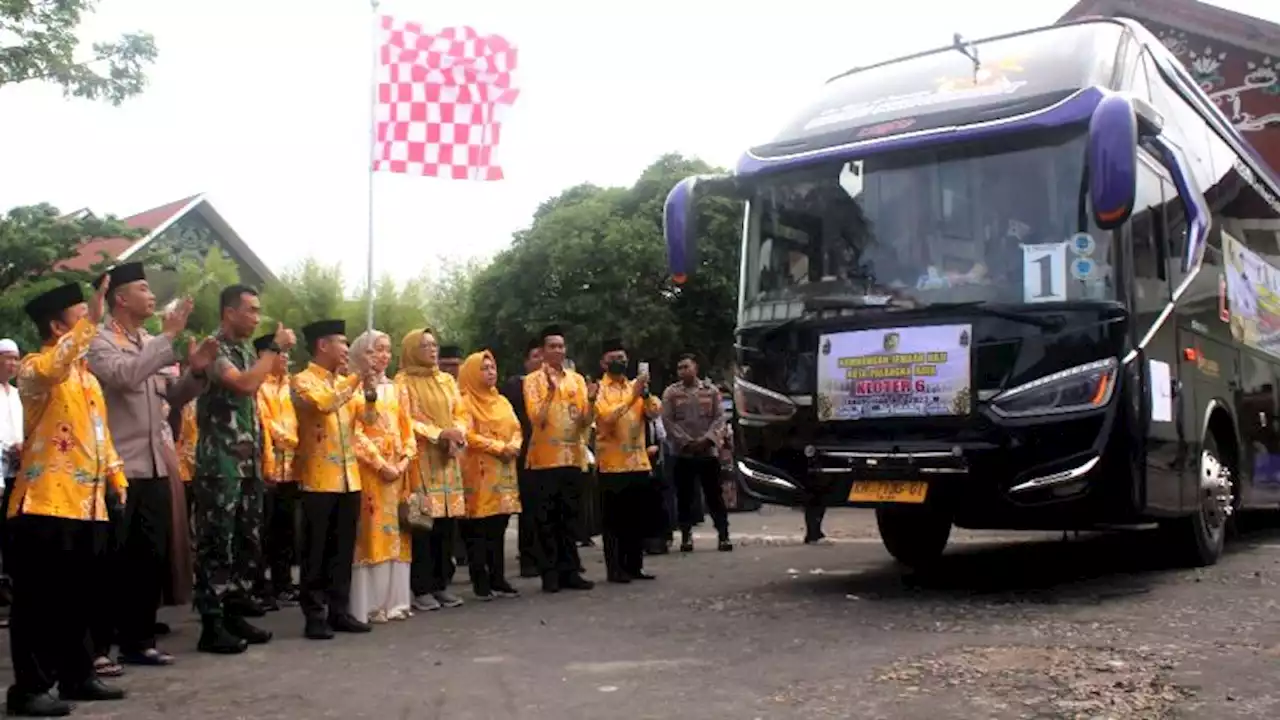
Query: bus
x=1024, y=283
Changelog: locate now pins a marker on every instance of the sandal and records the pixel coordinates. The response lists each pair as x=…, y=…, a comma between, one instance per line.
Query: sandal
x=104, y=666
x=377, y=618
x=398, y=615
x=150, y=657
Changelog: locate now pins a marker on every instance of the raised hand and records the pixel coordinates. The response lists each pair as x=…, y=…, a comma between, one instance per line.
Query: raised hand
x=175, y=321
x=284, y=338
x=98, y=303
x=201, y=355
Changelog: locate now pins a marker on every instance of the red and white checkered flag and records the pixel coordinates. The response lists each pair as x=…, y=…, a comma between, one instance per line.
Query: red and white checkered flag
x=441, y=99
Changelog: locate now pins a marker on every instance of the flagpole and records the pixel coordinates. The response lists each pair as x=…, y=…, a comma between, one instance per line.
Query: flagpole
x=373, y=142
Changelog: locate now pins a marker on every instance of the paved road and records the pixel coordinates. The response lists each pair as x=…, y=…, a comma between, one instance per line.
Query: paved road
x=1031, y=627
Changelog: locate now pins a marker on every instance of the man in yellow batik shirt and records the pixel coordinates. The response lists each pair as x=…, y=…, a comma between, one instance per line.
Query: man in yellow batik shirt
x=629, y=494
x=326, y=402
x=58, y=510
x=560, y=408
x=280, y=507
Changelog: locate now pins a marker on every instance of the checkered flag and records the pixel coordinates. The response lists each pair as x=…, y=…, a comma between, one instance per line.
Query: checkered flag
x=441, y=98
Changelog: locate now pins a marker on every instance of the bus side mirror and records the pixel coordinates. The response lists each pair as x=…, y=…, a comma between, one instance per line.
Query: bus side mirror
x=680, y=221
x=1113, y=161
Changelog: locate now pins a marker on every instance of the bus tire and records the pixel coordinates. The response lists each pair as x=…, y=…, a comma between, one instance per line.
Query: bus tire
x=915, y=535
x=1198, y=539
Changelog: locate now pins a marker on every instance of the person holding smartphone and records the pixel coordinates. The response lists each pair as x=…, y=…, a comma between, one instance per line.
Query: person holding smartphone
x=623, y=408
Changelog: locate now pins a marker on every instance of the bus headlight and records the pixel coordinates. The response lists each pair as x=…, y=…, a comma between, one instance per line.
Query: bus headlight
x=756, y=403
x=1083, y=387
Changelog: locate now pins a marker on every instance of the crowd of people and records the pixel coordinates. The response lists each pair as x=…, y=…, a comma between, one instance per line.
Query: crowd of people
x=140, y=480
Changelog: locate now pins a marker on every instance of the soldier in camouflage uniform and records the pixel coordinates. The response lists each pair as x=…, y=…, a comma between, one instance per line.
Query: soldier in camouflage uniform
x=227, y=485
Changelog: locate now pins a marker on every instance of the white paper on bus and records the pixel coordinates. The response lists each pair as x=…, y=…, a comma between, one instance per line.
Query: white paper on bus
x=1044, y=272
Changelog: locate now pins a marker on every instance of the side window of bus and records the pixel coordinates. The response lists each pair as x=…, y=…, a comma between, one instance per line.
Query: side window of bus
x=1183, y=126
x=1147, y=233
x=1151, y=290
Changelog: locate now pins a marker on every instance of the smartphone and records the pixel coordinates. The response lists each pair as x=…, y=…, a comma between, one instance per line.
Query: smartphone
x=643, y=368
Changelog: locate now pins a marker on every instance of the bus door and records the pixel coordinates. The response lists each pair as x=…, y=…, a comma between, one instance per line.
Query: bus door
x=1165, y=420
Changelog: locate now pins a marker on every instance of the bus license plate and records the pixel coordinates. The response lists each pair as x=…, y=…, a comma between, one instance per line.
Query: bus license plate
x=888, y=491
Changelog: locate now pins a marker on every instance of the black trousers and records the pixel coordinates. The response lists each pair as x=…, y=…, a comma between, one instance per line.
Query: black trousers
x=280, y=538
x=554, y=503
x=329, y=547
x=485, y=539
x=143, y=561
x=52, y=563
x=432, y=567
x=526, y=528
x=694, y=474
x=630, y=510
x=4, y=534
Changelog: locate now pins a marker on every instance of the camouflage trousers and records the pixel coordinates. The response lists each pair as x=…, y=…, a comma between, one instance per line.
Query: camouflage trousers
x=228, y=529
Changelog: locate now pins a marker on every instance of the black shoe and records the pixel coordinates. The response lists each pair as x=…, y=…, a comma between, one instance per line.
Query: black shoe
x=575, y=581
x=348, y=624
x=150, y=657
x=244, y=607
x=619, y=578
x=269, y=603
x=42, y=705
x=216, y=640
x=247, y=631
x=504, y=590
x=642, y=575
x=686, y=541
x=529, y=571
x=91, y=690
x=725, y=545
x=318, y=629
x=550, y=583
x=161, y=629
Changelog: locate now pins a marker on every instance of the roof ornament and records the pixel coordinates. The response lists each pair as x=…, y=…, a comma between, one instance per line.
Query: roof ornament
x=969, y=50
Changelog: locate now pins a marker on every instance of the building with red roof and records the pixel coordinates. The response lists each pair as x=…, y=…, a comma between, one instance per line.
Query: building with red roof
x=190, y=226
x=1235, y=57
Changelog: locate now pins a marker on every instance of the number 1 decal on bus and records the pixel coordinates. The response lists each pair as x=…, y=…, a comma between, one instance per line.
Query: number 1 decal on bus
x=1044, y=272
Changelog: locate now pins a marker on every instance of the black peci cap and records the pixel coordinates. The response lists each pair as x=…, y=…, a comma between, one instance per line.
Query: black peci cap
x=323, y=329
x=550, y=331
x=611, y=345
x=54, y=301
x=123, y=274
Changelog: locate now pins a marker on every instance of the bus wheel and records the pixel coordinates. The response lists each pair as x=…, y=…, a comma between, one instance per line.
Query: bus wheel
x=915, y=535
x=1200, y=537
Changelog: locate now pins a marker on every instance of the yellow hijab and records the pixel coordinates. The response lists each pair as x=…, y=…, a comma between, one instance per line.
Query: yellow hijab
x=412, y=360
x=485, y=404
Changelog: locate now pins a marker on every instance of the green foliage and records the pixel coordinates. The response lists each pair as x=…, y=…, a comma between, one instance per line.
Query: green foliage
x=39, y=43
x=34, y=240
x=594, y=261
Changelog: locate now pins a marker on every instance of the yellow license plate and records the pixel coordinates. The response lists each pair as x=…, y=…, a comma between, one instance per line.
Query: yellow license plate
x=888, y=491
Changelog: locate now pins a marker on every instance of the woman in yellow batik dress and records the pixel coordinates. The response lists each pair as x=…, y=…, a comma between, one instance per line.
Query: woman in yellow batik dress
x=440, y=427
x=384, y=445
x=488, y=474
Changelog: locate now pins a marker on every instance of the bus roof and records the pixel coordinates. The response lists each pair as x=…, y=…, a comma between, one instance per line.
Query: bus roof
x=1019, y=73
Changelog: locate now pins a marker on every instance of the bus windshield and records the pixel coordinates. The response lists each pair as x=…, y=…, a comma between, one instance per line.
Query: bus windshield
x=1002, y=222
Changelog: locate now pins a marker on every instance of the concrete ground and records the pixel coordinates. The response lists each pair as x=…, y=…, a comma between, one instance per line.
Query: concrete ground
x=1013, y=626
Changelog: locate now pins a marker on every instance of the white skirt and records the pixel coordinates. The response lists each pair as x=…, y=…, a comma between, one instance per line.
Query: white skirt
x=384, y=587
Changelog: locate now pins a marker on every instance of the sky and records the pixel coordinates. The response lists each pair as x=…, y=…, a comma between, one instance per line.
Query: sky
x=265, y=106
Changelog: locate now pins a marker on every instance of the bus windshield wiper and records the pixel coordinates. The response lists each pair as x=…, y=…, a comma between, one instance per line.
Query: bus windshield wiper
x=982, y=307
x=845, y=302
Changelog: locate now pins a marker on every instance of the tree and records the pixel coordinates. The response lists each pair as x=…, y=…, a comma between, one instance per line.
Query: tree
x=38, y=42
x=35, y=241
x=594, y=261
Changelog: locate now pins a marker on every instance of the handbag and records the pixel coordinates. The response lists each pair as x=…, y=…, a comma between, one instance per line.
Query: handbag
x=414, y=512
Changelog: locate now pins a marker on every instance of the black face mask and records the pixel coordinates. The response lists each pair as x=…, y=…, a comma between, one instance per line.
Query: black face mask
x=617, y=367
